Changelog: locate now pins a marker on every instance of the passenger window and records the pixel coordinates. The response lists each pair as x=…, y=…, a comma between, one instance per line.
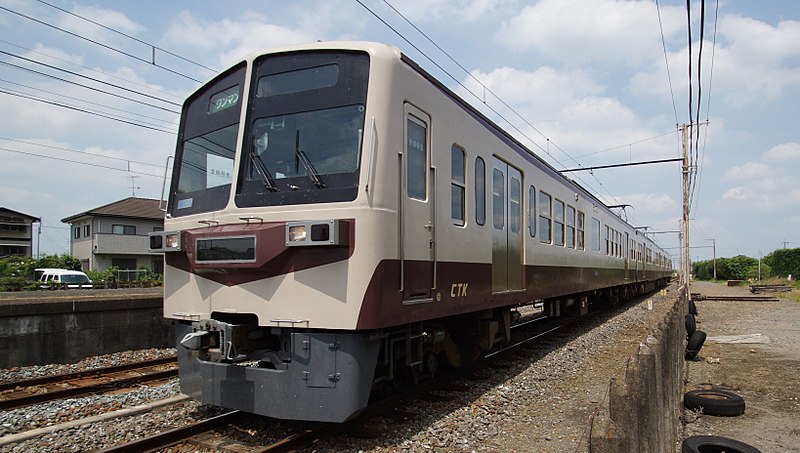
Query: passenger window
x=581, y=231
x=416, y=158
x=480, y=191
x=545, y=217
x=558, y=217
x=498, y=199
x=570, y=227
x=515, y=205
x=532, y=211
x=608, y=240
x=458, y=188
x=595, y=235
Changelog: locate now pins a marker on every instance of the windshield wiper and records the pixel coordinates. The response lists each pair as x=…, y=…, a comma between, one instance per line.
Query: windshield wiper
x=302, y=157
x=261, y=169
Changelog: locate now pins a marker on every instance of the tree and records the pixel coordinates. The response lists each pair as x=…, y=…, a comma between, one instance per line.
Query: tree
x=784, y=262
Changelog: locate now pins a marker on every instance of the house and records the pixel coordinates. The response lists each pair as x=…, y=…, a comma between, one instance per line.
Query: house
x=116, y=235
x=16, y=233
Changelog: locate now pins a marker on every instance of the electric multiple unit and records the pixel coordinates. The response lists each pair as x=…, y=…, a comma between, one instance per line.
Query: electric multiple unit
x=339, y=223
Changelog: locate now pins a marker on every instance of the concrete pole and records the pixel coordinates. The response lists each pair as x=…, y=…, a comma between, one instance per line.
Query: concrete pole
x=685, y=224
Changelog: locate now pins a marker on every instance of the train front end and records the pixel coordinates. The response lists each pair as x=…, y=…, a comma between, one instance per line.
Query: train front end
x=270, y=238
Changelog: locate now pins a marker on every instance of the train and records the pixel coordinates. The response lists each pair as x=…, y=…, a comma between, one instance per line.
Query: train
x=340, y=224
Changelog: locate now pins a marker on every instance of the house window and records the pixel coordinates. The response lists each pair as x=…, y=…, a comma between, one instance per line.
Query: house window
x=77, y=232
x=480, y=191
x=570, y=227
x=581, y=228
x=458, y=188
x=87, y=230
x=123, y=229
x=558, y=217
x=545, y=217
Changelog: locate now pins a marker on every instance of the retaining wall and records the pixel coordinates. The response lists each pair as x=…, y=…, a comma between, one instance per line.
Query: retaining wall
x=63, y=328
x=643, y=406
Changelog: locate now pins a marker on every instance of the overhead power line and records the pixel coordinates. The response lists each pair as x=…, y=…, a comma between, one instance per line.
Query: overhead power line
x=129, y=36
x=61, y=148
x=106, y=46
x=170, y=123
x=56, y=68
x=95, y=70
x=8, y=150
x=78, y=109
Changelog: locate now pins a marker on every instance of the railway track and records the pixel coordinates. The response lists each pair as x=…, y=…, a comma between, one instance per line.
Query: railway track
x=307, y=434
x=33, y=391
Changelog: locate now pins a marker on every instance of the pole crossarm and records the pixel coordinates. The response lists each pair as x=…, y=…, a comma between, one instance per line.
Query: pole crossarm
x=648, y=162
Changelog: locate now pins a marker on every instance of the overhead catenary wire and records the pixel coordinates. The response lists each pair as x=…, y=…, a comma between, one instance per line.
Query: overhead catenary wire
x=78, y=109
x=62, y=159
x=94, y=70
x=61, y=148
x=180, y=57
x=456, y=80
x=86, y=101
x=106, y=46
x=56, y=68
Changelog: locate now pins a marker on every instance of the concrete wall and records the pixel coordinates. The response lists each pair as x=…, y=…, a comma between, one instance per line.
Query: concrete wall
x=65, y=330
x=643, y=406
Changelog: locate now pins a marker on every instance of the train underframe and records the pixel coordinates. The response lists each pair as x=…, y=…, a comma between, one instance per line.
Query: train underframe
x=325, y=375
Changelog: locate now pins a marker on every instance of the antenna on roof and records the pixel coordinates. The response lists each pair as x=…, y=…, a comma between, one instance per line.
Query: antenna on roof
x=133, y=185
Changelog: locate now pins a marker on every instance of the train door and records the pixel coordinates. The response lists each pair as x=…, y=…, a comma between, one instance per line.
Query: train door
x=506, y=227
x=417, y=209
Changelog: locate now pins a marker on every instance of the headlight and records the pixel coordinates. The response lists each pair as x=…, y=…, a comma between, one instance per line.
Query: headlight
x=297, y=233
x=173, y=241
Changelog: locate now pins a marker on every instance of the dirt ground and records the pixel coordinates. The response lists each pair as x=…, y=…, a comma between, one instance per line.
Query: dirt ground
x=766, y=375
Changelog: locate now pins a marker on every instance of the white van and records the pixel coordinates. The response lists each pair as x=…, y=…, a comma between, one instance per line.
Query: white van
x=49, y=277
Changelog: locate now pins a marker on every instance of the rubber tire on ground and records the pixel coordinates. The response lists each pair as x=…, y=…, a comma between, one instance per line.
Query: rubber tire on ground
x=692, y=308
x=695, y=344
x=714, y=402
x=715, y=444
x=691, y=325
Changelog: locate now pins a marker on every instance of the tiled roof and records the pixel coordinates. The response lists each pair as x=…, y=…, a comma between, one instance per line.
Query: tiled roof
x=131, y=207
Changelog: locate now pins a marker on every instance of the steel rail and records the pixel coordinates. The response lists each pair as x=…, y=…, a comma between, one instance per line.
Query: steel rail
x=27, y=399
x=174, y=436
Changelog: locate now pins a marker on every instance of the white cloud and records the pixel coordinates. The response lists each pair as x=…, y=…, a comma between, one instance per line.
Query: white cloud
x=741, y=193
x=233, y=39
x=582, y=31
x=650, y=204
x=783, y=152
x=748, y=170
x=752, y=63
x=458, y=11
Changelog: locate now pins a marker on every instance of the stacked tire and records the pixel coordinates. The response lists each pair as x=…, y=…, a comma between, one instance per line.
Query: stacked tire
x=713, y=401
x=695, y=337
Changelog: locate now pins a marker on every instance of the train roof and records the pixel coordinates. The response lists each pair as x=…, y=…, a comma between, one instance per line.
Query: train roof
x=389, y=51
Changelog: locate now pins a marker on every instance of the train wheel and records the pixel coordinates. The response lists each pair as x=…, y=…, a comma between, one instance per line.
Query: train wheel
x=431, y=363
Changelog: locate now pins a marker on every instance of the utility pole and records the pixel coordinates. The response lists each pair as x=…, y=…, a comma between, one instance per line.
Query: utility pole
x=714, y=245
x=685, y=223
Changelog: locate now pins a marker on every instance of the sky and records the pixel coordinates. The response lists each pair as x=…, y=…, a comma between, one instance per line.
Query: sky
x=581, y=82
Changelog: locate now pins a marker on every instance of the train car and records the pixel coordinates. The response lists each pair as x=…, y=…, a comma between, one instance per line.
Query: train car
x=340, y=223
